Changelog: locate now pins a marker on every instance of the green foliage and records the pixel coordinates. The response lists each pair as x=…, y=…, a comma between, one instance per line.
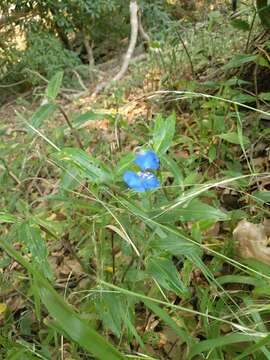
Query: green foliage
x=103, y=271
x=263, y=8
x=57, y=57
x=163, y=134
x=54, y=85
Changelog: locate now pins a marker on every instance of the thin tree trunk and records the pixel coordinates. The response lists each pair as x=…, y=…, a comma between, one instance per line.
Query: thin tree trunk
x=133, y=39
x=134, y=23
x=89, y=50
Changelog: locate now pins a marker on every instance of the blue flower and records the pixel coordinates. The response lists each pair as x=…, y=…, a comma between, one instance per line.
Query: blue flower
x=133, y=181
x=149, y=180
x=141, y=181
x=147, y=160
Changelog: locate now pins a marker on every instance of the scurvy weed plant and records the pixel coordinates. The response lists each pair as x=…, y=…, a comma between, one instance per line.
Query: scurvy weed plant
x=142, y=252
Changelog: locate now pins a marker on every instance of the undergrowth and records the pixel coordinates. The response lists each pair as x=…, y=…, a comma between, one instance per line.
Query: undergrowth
x=91, y=269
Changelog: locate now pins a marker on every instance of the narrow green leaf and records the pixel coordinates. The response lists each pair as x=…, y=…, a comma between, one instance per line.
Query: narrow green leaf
x=67, y=319
x=211, y=344
x=260, y=345
x=77, y=329
x=165, y=273
x=41, y=114
x=240, y=24
x=163, y=133
x=264, y=96
x=54, y=85
x=244, y=98
x=263, y=7
x=194, y=211
x=90, y=167
x=7, y=218
x=125, y=163
x=175, y=245
x=163, y=315
x=262, y=196
x=226, y=279
x=81, y=119
x=233, y=138
x=29, y=234
x=173, y=168
x=239, y=60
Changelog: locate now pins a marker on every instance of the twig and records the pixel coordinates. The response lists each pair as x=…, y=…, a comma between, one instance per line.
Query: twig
x=72, y=129
x=127, y=269
x=9, y=172
x=113, y=255
x=38, y=75
x=79, y=80
x=14, y=84
x=250, y=30
x=187, y=53
x=142, y=32
x=69, y=246
x=255, y=73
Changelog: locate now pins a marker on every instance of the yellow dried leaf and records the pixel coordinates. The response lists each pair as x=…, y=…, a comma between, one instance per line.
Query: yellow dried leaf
x=3, y=308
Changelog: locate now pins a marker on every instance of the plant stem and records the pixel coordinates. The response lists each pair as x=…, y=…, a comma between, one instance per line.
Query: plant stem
x=72, y=129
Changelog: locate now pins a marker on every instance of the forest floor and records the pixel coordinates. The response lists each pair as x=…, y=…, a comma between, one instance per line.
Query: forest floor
x=80, y=232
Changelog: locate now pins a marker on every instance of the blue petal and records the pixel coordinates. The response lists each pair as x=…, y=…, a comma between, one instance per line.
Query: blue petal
x=133, y=181
x=149, y=181
x=147, y=160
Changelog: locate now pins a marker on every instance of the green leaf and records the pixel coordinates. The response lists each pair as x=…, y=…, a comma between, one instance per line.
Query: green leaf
x=41, y=114
x=240, y=24
x=163, y=315
x=78, y=330
x=163, y=133
x=29, y=234
x=81, y=119
x=174, y=169
x=90, y=167
x=264, y=96
x=263, y=7
x=239, y=60
x=260, y=345
x=221, y=341
x=194, y=211
x=233, y=138
x=165, y=273
x=71, y=179
x=175, y=245
x=67, y=319
x=262, y=196
x=244, y=98
x=54, y=85
x=239, y=279
x=125, y=163
x=108, y=305
x=7, y=218
x=262, y=61
x=115, y=312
